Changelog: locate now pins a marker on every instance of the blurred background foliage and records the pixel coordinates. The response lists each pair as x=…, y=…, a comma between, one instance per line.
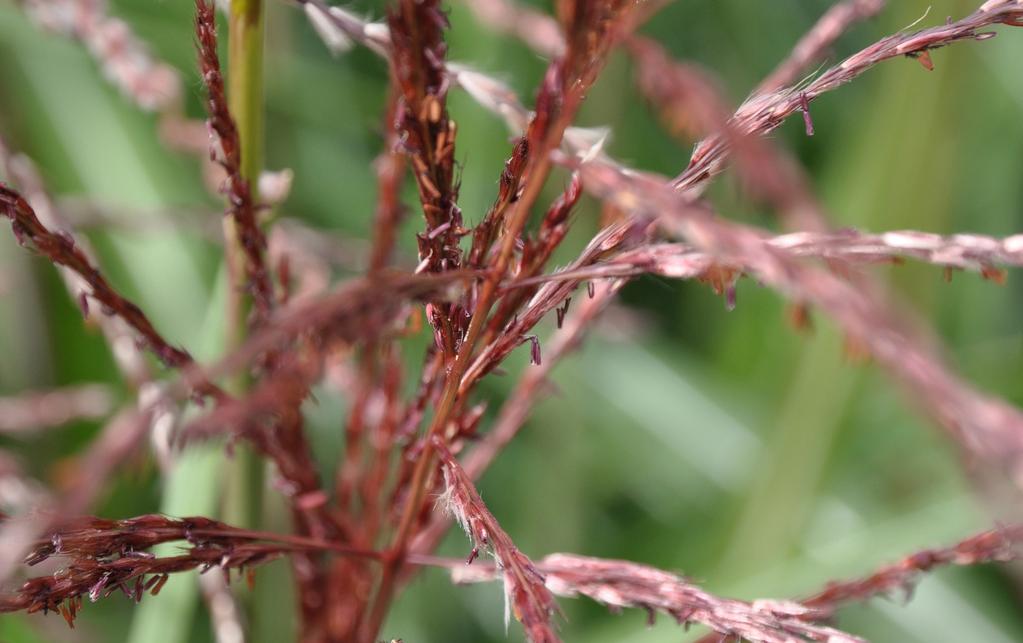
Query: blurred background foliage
x=753, y=458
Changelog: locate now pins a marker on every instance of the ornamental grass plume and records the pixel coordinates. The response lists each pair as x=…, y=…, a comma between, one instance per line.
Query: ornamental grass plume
x=434, y=305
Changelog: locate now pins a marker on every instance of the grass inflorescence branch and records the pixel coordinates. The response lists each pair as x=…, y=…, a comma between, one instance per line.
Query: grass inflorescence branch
x=60, y=248
x=411, y=436
x=225, y=148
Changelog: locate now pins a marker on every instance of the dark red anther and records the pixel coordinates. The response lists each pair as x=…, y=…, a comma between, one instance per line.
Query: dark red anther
x=730, y=298
x=534, y=350
x=804, y=105
x=153, y=580
x=589, y=289
x=991, y=273
x=66, y=613
x=473, y=555
x=561, y=311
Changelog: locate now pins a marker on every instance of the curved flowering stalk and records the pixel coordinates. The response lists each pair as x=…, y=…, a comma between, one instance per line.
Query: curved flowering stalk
x=111, y=555
x=116, y=443
x=994, y=545
x=763, y=112
x=969, y=252
x=61, y=249
x=689, y=102
x=525, y=592
x=119, y=337
x=973, y=252
x=619, y=584
x=282, y=437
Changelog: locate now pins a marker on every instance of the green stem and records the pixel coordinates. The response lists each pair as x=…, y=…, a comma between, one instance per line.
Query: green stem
x=245, y=100
x=245, y=82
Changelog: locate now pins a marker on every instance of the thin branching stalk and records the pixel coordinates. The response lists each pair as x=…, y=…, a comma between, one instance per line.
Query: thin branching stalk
x=992, y=545
x=591, y=29
x=516, y=409
x=763, y=112
x=845, y=249
x=21, y=171
x=525, y=592
x=61, y=249
x=620, y=584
